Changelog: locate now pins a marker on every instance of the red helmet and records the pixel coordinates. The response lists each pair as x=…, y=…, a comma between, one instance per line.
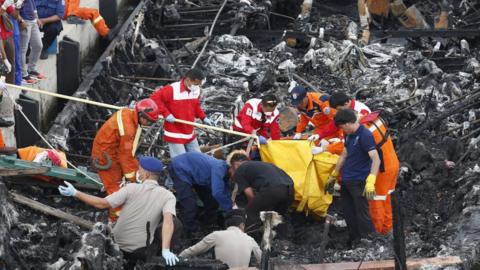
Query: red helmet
x=148, y=109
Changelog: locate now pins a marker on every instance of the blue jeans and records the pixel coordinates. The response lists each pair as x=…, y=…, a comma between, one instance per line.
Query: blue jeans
x=18, y=53
x=178, y=148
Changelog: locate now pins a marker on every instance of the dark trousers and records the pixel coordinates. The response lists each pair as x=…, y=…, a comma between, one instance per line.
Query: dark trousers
x=50, y=32
x=276, y=198
x=355, y=209
x=187, y=196
x=155, y=247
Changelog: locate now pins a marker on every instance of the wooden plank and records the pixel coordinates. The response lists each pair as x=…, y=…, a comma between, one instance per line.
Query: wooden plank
x=51, y=211
x=375, y=265
x=17, y=172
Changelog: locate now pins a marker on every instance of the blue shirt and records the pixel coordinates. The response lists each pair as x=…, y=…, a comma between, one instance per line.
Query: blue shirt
x=358, y=163
x=203, y=170
x=28, y=10
x=47, y=8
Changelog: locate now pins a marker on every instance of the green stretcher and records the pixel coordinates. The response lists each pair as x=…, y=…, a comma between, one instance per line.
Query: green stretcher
x=13, y=163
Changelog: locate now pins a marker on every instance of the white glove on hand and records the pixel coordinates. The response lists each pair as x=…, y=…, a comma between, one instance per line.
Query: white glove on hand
x=170, y=258
x=170, y=118
x=337, y=187
x=69, y=190
x=18, y=4
x=7, y=63
x=314, y=137
x=297, y=136
x=3, y=86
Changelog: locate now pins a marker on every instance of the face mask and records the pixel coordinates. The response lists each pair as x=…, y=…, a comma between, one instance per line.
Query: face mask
x=194, y=88
x=138, y=178
x=268, y=113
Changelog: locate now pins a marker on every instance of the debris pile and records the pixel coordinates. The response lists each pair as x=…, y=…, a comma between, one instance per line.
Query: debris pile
x=428, y=91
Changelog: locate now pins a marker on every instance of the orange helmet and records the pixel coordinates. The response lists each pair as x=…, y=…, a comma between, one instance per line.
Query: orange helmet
x=148, y=109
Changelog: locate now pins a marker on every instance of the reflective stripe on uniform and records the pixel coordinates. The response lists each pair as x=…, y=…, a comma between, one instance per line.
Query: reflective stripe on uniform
x=97, y=20
x=136, y=140
x=378, y=123
x=237, y=123
x=130, y=175
x=380, y=198
x=178, y=135
x=391, y=191
x=121, y=129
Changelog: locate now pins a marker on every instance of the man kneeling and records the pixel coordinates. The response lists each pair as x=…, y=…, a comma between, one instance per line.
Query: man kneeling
x=232, y=246
x=142, y=203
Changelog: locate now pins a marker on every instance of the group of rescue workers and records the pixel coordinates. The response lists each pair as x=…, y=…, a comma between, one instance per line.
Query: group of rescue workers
x=365, y=174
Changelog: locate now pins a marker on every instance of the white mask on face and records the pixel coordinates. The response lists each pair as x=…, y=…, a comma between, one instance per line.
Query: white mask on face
x=268, y=113
x=194, y=88
x=138, y=178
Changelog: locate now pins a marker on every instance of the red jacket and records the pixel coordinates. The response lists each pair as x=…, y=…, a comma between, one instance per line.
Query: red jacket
x=251, y=118
x=4, y=34
x=331, y=128
x=184, y=104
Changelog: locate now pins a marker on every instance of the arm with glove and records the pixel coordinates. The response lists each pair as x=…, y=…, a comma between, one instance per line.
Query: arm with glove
x=69, y=191
x=332, y=182
x=369, y=191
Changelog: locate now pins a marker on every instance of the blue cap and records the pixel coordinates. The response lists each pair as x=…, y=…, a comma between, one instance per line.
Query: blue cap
x=297, y=94
x=151, y=164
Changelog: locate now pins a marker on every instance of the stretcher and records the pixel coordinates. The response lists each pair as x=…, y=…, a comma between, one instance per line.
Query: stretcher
x=11, y=164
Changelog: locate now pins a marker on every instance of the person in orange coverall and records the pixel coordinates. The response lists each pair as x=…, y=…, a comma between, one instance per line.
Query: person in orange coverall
x=314, y=108
x=114, y=146
x=73, y=12
x=380, y=207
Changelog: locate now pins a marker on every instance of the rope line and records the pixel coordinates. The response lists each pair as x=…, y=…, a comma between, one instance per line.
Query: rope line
x=19, y=108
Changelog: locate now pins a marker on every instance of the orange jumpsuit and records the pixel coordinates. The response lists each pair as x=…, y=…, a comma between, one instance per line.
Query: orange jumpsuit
x=29, y=153
x=380, y=207
x=118, y=138
x=72, y=8
x=315, y=114
x=2, y=142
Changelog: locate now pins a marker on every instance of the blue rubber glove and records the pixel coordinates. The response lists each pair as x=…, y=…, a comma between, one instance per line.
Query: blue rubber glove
x=69, y=190
x=170, y=258
x=170, y=118
x=262, y=139
x=207, y=121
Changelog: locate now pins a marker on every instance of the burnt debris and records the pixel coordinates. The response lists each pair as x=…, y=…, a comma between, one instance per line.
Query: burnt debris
x=427, y=88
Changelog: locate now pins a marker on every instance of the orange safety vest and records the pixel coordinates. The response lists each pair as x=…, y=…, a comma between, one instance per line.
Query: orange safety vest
x=390, y=165
x=315, y=113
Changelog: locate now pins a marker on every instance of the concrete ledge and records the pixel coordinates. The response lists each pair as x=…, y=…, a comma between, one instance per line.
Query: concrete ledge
x=88, y=38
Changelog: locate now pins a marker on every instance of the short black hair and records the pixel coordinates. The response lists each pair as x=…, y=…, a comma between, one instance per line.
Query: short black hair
x=345, y=116
x=338, y=99
x=195, y=74
x=235, y=218
x=269, y=100
x=238, y=157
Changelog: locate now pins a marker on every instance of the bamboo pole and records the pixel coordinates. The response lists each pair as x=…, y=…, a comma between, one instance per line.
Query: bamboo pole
x=101, y=104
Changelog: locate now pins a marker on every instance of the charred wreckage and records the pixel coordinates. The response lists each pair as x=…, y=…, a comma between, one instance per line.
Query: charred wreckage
x=426, y=85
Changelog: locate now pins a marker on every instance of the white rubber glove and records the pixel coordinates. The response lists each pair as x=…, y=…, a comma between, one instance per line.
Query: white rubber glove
x=297, y=136
x=69, y=190
x=170, y=118
x=3, y=86
x=18, y=4
x=170, y=258
x=337, y=187
x=314, y=137
x=7, y=63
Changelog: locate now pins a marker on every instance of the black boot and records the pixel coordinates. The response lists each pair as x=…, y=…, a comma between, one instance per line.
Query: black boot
x=6, y=123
